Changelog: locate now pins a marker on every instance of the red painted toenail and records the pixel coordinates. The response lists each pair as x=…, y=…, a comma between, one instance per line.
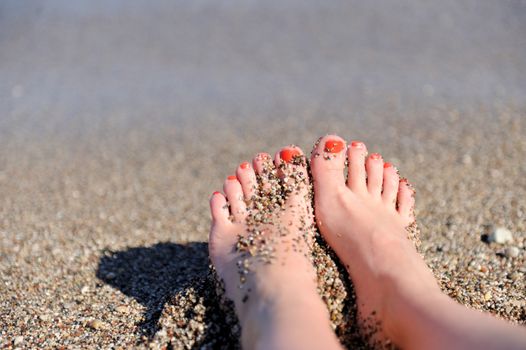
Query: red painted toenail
x=232, y=177
x=387, y=165
x=375, y=156
x=334, y=146
x=245, y=165
x=287, y=155
x=357, y=144
x=216, y=192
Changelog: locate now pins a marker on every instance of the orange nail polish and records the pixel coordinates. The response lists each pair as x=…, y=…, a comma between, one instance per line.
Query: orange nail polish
x=287, y=155
x=245, y=165
x=375, y=156
x=357, y=144
x=387, y=165
x=232, y=177
x=334, y=146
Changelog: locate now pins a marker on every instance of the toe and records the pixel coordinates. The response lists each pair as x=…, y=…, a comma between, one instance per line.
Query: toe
x=234, y=194
x=288, y=159
x=356, y=154
x=327, y=164
x=288, y=155
x=390, y=186
x=222, y=238
x=406, y=202
x=219, y=209
x=292, y=170
x=265, y=169
x=262, y=162
x=247, y=177
x=374, y=166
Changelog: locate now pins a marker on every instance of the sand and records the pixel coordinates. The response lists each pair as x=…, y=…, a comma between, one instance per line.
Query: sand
x=110, y=148
x=100, y=243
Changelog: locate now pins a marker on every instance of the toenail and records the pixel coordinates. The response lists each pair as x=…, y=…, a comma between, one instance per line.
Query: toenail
x=232, y=177
x=387, y=165
x=376, y=156
x=216, y=192
x=334, y=146
x=288, y=155
x=263, y=156
x=357, y=144
x=245, y=165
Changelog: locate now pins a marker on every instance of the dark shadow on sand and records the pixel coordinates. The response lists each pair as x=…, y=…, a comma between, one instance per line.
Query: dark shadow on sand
x=152, y=274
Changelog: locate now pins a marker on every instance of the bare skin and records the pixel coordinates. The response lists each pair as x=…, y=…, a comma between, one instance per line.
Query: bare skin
x=364, y=218
x=277, y=305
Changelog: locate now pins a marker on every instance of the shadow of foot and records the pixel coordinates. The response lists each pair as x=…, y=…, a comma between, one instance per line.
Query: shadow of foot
x=186, y=307
x=153, y=274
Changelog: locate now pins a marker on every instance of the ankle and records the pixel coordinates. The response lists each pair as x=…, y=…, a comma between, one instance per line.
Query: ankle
x=407, y=303
x=268, y=321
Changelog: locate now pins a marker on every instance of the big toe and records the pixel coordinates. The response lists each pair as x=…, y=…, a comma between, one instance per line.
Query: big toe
x=328, y=164
x=292, y=170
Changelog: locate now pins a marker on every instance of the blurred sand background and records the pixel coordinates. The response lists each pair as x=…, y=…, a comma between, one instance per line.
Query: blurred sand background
x=119, y=118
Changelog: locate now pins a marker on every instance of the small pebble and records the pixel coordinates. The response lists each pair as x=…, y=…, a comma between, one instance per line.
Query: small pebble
x=44, y=318
x=511, y=252
x=515, y=276
x=18, y=341
x=501, y=235
x=517, y=303
x=96, y=324
x=123, y=309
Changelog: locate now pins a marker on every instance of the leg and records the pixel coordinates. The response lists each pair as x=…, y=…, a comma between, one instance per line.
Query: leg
x=259, y=242
x=364, y=220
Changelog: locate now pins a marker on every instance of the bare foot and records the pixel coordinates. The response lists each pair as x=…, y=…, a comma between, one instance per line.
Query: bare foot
x=259, y=244
x=364, y=220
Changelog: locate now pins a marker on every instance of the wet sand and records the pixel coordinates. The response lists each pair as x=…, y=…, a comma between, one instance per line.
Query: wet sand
x=111, y=144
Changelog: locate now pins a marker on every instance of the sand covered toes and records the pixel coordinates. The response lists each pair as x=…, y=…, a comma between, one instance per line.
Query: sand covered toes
x=260, y=242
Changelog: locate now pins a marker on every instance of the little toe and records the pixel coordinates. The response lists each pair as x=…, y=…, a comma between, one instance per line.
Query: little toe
x=236, y=199
x=390, y=185
x=247, y=177
x=406, y=202
x=356, y=179
x=219, y=209
x=327, y=164
x=374, y=166
x=222, y=237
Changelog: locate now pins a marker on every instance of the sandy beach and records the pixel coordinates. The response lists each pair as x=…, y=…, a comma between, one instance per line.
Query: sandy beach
x=118, y=120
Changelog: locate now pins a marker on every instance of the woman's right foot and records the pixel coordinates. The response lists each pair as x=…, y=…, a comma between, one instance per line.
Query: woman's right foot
x=364, y=220
x=260, y=246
